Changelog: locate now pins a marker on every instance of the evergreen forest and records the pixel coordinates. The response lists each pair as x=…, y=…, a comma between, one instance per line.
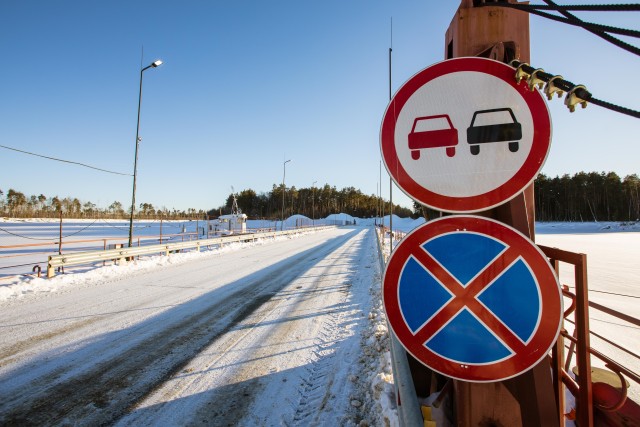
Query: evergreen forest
x=593, y=196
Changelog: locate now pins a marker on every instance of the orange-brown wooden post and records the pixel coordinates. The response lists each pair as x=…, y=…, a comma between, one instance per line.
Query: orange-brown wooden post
x=527, y=400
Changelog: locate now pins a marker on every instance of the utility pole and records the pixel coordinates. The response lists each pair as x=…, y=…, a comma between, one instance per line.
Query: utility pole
x=501, y=34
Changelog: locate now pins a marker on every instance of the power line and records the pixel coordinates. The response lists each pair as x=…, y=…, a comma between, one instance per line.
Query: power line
x=604, y=35
x=596, y=29
x=583, y=24
x=587, y=7
x=65, y=161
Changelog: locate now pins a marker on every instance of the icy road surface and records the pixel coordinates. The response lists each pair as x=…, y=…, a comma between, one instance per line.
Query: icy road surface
x=268, y=335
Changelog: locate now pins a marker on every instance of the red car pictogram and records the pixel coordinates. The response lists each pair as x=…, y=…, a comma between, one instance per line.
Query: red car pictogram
x=444, y=137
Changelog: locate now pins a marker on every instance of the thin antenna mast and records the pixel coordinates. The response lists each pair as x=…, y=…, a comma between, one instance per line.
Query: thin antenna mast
x=390, y=180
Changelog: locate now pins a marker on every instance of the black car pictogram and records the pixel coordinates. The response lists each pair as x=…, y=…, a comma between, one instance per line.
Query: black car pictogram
x=509, y=131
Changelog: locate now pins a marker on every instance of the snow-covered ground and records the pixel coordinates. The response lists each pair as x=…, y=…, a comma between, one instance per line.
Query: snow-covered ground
x=613, y=267
x=286, y=331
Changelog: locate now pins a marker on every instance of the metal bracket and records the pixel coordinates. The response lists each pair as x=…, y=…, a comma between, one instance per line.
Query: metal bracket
x=572, y=99
x=534, y=81
x=551, y=87
x=520, y=73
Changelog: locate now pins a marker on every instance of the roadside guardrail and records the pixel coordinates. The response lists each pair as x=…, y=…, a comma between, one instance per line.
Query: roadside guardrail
x=120, y=255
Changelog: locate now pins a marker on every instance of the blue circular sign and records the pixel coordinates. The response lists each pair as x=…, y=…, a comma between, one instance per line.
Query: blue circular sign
x=472, y=298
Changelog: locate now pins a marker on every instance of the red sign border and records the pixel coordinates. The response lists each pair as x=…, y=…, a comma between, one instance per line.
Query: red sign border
x=510, y=189
x=538, y=346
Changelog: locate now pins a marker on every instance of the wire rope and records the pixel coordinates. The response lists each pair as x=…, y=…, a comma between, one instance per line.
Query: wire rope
x=607, y=37
x=65, y=161
x=587, y=7
x=56, y=237
x=596, y=29
x=568, y=86
x=127, y=228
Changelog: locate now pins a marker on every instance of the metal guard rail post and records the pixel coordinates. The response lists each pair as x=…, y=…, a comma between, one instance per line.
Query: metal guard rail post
x=409, y=412
x=121, y=254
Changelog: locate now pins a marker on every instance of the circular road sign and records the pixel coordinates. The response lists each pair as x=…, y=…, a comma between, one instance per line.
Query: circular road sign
x=472, y=298
x=463, y=136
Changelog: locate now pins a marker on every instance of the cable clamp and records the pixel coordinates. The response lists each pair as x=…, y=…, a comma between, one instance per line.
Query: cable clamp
x=551, y=87
x=520, y=73
x=534, y=81
x=572, y=99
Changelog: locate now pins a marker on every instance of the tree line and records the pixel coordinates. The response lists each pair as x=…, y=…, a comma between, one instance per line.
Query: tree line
x=583, y=197
x=313, y=202
x=593, y=196
x=590, y=196
x=17, y=205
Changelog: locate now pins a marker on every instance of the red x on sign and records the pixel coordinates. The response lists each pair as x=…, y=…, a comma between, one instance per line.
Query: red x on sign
x=472, y=298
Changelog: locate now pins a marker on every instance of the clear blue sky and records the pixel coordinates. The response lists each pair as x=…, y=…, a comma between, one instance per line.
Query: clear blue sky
x=248, y=84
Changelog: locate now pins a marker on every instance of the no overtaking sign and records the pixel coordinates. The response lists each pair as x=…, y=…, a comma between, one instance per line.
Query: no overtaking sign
x=462, y=136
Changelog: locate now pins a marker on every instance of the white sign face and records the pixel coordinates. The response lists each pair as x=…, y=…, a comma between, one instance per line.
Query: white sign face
x=462, y=136
x=464, y=174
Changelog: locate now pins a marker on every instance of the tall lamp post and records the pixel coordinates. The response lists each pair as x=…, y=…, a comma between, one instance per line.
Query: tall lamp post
x=284, y=174
x=135, y=162
x=313, y=204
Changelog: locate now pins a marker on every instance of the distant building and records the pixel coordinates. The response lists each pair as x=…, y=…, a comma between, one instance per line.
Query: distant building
x=232, y=223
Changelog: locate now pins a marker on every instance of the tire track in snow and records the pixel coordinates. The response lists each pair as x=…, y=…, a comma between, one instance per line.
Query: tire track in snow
x=107, y=389
x=103, y=392
x=221, y=373
x=316, y=389
x=23, y=346
x=6, y=354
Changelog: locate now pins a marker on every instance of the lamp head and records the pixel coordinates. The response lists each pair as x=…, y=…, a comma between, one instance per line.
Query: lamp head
x=156, y=63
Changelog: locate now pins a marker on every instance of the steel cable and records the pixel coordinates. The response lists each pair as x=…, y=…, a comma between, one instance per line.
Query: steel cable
x=596, y=29
x=578, y=23
x=56, y=237
x=65, y=161
x=127, y=228
x=567, y=86
x=607, y=37
x=587, y=7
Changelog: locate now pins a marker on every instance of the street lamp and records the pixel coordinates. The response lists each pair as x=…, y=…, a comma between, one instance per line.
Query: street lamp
x=135, y=162
x=313, y=204
x=284, y=174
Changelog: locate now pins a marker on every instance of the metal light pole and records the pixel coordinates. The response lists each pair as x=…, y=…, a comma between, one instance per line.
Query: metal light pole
x=284, y=174
x=313, y=204
x=135, y=162
x=390, y=180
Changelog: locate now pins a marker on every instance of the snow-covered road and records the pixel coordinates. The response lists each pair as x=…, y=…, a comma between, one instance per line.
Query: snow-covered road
x=269, y=335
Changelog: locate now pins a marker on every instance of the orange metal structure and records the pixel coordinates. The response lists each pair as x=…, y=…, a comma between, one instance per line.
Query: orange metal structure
x=479, y=29
x=537, y=397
